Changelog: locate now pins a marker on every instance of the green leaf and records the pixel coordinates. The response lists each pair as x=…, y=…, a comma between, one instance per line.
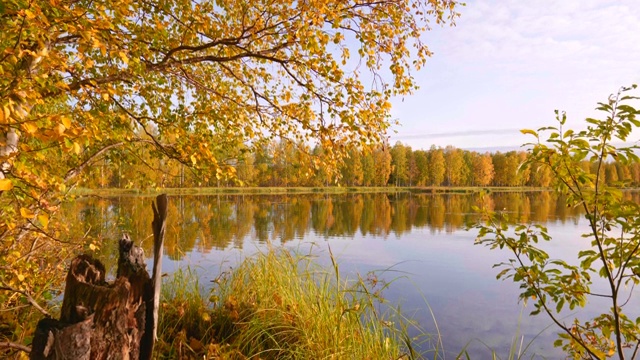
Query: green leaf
x=557, y=343
x=584, y=253
x=559, y=305
x=567, y=134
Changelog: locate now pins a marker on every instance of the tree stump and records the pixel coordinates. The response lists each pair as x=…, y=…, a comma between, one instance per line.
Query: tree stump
x=99, y=320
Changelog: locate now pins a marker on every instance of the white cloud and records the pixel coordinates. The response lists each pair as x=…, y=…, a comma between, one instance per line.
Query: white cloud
x=535, y=32
x=509, y=63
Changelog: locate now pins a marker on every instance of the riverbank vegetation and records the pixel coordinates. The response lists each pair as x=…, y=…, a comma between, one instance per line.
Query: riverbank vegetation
x=282, y=305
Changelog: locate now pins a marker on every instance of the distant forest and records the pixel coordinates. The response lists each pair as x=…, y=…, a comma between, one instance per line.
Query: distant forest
x=279, y=164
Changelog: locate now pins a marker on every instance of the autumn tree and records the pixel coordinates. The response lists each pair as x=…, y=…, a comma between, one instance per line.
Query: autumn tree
x=455, y=172
x=246, y=170
x=399, y=165
x=482, y=170
x=610, y=174
x=499, y=166
x=381, y=166
x=468, y=157
x=541, y=175
x=263, y=163
x=351, y=169
x=624, y=174
x=523, y=172
x=635, y=173
x=412, y=167
x=508, y=171
x=437, y=166
x=368, y=168
x=422, y=164
x=189, y=80
x=512, y=164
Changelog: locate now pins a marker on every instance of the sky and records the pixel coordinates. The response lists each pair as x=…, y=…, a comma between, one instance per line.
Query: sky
x=508, y=64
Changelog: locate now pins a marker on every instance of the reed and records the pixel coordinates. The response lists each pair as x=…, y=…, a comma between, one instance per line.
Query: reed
x=282, y=305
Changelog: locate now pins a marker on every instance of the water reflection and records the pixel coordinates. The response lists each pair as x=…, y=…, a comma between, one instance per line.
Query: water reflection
x=202, y=223
x=418, y=235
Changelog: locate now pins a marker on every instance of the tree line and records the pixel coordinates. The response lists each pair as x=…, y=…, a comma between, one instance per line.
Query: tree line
x=286, y=164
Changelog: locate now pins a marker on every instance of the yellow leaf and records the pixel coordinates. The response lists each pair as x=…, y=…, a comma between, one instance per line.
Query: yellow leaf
x=123, y=57
x=5, y=185
x=66, y=122
x=44, y=220
x=29, y=127
x=92, y=247
x=20, y=277
x=206, y=317
x=76, y=148
x=26, y=213
x=193, y=159
x=6, y=112
x=60, y=129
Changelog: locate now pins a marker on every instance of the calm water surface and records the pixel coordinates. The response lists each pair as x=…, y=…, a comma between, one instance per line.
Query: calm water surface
x=420, y=239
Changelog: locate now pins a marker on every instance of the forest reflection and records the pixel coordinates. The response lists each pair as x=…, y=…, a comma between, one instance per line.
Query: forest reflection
x=202, y=223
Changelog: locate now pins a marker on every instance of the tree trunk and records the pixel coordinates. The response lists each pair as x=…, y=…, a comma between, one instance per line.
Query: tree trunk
x=8, y=147
x=99, y=320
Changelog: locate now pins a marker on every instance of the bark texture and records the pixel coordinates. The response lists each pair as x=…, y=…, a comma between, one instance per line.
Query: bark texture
x=101, y=320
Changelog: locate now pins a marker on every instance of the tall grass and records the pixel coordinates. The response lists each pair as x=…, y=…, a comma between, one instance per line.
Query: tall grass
x=279, y=305
x=185, y=324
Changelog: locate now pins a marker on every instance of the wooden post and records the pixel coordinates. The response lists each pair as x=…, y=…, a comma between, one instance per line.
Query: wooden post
x=153, y=292
x=99, y=320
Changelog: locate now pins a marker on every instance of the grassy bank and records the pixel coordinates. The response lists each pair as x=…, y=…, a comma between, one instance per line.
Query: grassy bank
x=276, y=305
x=299, y=190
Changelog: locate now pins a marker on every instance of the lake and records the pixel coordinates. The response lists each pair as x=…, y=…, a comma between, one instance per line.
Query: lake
x=418, y=241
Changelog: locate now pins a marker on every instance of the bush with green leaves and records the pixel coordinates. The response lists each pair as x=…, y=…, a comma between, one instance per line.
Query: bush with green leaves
x=611, y=251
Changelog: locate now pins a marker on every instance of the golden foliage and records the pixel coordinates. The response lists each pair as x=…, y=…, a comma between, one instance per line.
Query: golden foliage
x=88, y=81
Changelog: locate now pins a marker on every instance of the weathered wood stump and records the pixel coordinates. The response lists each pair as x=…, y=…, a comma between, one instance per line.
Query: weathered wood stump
x=99, y=320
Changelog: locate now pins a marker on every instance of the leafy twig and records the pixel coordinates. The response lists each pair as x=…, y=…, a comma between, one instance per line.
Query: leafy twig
x=27, y=296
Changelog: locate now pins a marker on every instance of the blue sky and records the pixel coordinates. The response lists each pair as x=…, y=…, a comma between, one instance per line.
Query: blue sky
x=508, y=64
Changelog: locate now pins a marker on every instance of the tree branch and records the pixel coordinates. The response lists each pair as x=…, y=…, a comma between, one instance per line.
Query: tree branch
x=78, y=169
x=11, y=345
x=29, y=298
